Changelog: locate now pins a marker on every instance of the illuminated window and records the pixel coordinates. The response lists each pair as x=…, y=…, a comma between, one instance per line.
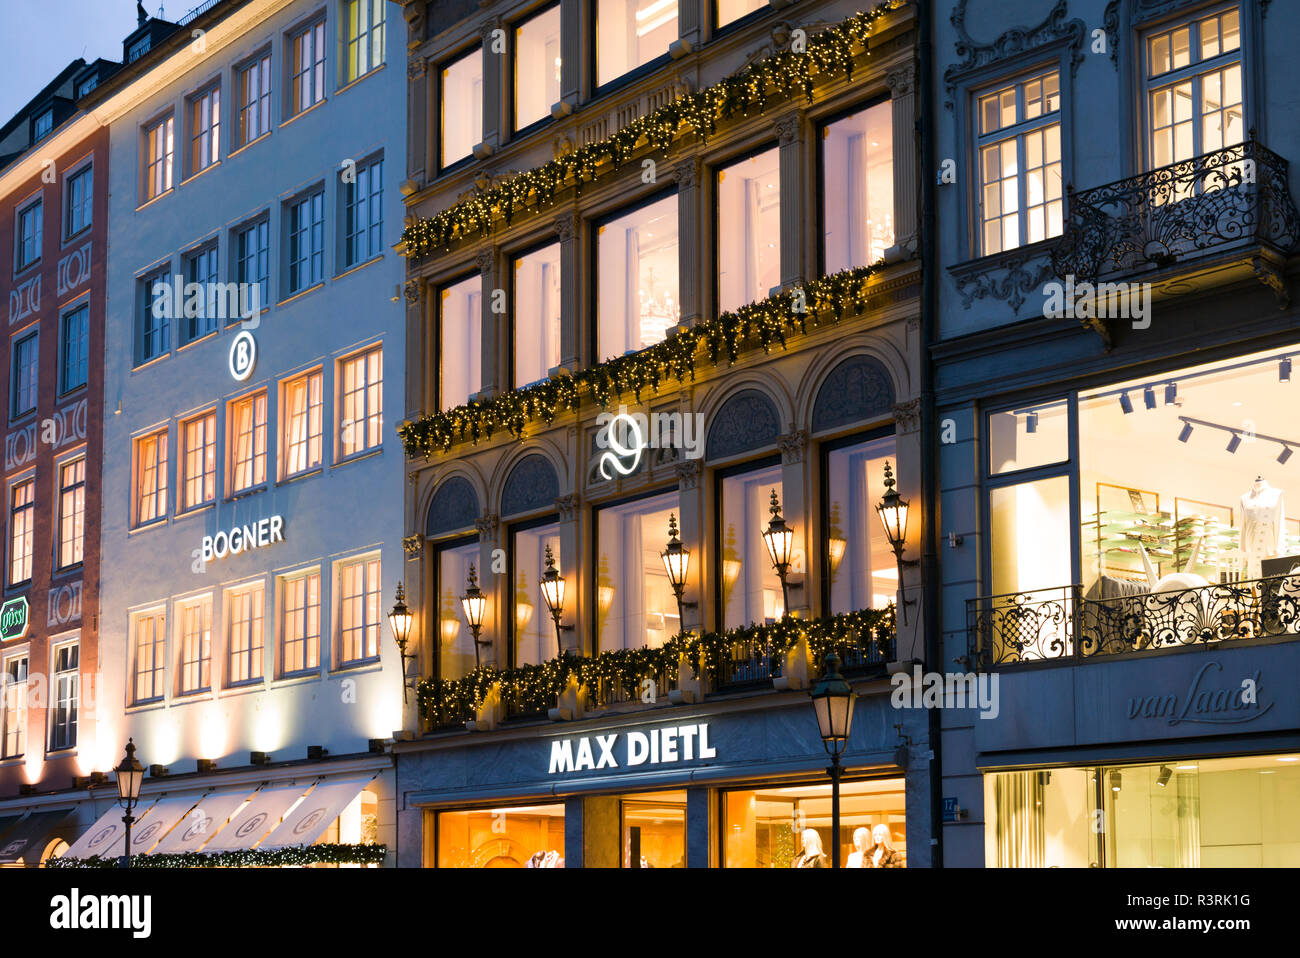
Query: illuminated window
x=157, y=150
x=455, y=641
x=536, y=314
x=530, y=836
x=860, y=569
x=533, y=628
x=79, y=200
x=858, y=188
x=27, y=244
x=363, y=39
x=205, y=130
x=302, y=429
x=729, y=11
x=359, y=614
x=149, y=655
x=255, y=99
x=244, y=616
x=749, y=229
x=198, y=460
x=65, y=695
x=637, y=297
x=460, y=107
x=751, y=589
x=1019, y=144
x=13, y=707
x=653, y=830
x=631, y=33
x=72, y=512
x=537, y=67
x=306, y=68
x=460, y=341
x=247, y=424
x=150, y=477
x=194, y=635
x=361, y=401
x=300, y=622
x=22, y=515
x=635, y=604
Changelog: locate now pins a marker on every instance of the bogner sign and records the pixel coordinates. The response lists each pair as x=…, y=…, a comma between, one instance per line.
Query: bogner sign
x=264, y=532
x=682, y=743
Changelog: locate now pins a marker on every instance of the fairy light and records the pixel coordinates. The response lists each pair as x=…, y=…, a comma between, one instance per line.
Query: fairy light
x=328, y=854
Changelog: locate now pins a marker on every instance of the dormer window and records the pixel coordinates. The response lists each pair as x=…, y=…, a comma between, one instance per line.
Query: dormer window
x=42, y=125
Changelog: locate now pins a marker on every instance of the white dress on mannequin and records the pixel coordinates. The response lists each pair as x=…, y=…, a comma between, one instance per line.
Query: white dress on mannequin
x=1262, y=526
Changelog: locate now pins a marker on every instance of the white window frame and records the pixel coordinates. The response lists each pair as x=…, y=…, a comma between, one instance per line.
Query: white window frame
x=369, y=586
x=59, y=680
x=157, y=673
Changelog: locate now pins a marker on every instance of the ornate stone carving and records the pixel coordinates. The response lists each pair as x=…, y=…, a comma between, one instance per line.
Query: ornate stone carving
x=901, y=82
x=859, y=389
x=487, y=525
x=685, y=173
x=532, y=484
x=907, y=416
x=1110, y=23
x=414, y=290
x=792, y=445
x=454, y=506
x=414, y=14
x=748, y=420
x=567, y=506
x=485, y=260
x=1011, y=43
x=1268, y=273
x=787, y=129
x=688, y=473
x=416, y=67
x=1009, y=278
x=412, y=544
x=566, y=226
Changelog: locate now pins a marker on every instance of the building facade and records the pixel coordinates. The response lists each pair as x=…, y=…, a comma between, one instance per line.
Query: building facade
x=662, y=287
x=1113, y=372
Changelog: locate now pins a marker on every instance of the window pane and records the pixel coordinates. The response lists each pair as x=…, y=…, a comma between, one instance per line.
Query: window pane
x=1031, y=536
x=630, y=33
x=635, y=605
x=534, y=631
x=455, y=641
x=72, y=512
x=300, y=623
x=461, y=108
x=460, y=344
x=536, y=314
x=860, y=568
x=654, y=830
x=637, y=298
x=858, y=188
x=518, y=837
x=751, y=589
x=1028, y=437
x=749, y=229
x=537, y=67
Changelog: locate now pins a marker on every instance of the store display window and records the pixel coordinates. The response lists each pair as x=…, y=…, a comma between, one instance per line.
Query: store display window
x=654, y=830
x=861, y=571
x=635, y=605
x=751, y=588
x=527, y=836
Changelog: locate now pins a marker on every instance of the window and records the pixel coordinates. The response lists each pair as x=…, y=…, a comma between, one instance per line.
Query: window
x=306, y=68
x=1194, y=91
x=22, y=514
x=1019, y=147
x=461, y=108
x=359, y=612
x=363, y=25
x=749, y=229
x=306, y=222
x=635, y=604
x=42, y=125
x=630, y=33
x=860, y=570
x=361, y=419
x=28, y=241
x=751, y=589
x=13, y=708
x=858, y=188
x=536, y=314
x=75, y=343
x=247, y=419
x=87, y=85
x=158, y=148
x=149, y=630
x=516, y=837
x=790, y=826
x=533, y=629
x=244, y=634
x=460, y=341
x=300, y=622
x=253, y=259
x=151, y=477
x=255, y=99
x=66, y=695
x=637, y=298
x=201, y=268
x=456, y=654
x=194, y=636
x=78, y=201
x=1036, y=434
x=363, y=214
x=653, y=827
x=729, y=11
x=155, y=315
x=198, y=479
x=537, y=67
x=301, y=429
x=72, y=512
x=205, y=129
x=25, y=367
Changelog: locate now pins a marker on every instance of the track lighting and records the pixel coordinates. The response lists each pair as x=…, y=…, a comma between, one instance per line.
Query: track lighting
x=1171, y=394
x=1149, y=397
x=1031, y=422
x=1284, y=370
x=1166, y=773
x=1234, y=443
x=1115, y=781
x=1186, y=434
x=1125, y=403
x=1284, y=455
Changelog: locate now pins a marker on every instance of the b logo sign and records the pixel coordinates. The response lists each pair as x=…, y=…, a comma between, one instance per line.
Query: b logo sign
x=243, y=356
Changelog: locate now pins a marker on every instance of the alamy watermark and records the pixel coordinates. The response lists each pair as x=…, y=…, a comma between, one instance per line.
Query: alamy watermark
x=946, y=690
x=222, y=301
x=1085, y=300
x=628, y=434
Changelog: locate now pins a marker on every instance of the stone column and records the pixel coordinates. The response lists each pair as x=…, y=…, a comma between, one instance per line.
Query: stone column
x=496, y=586
x=418, y=93
x=495, y=326
x=902, y=90
x=698, y=822
x=686, y=173
x=798, y=508
x=796, y=232
x=567, y=228
x=575, y=39
x=495, y=53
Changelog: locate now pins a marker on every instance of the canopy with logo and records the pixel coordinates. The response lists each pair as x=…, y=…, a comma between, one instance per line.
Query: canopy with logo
x=155, y=823
x=259, y=816
x=201, y=822
x=308, y=821
x=105, y=838
x=25, y=840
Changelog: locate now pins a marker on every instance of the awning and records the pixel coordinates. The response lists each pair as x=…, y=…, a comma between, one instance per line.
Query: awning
x=261, y=815
x=201, y=822
x=308, y=821
x=156, y=822
x=6, y=821
x=26, y=839
x=105, y=838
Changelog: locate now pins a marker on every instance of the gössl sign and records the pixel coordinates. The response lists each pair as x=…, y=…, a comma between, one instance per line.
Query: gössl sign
x=682, y=743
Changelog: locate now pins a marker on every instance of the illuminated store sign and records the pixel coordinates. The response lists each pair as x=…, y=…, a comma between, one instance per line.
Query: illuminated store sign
x=681, y=743
x=13, y=619
x=264, y=532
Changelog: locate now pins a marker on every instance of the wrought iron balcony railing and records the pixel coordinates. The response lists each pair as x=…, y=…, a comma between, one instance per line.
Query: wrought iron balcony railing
x=1234, y=196
x=1060, y=624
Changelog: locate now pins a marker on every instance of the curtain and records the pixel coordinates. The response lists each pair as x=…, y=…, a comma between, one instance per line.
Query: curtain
x=244, y=444
x=855, y=194
x=858, y=571
x=632, y=287
x=1018, y=801
x=297, y=403
x=753, y=229
x=1188, y=852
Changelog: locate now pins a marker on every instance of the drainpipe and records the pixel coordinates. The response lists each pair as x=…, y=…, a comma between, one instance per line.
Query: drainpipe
x=929, y=416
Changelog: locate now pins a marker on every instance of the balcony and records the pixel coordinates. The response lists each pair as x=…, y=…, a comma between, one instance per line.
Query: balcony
x=1061, y=625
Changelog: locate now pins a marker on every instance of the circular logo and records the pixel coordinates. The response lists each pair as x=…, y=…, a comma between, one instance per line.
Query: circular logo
x=255, y=822
x=101, y=836
x=309, y=821
x=148, y=832
x=200, y=827
x=243, y=355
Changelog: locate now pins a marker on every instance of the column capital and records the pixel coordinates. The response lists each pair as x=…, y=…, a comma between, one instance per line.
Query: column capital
x=792, y=445
x=487, y=525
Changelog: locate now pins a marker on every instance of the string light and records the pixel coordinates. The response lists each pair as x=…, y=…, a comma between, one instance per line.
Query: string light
x=327, y=854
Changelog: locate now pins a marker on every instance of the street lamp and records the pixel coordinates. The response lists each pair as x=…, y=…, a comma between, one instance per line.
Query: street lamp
x=677, y=560
x=832, y=699
x=129, y=776
x=779, y=539
x=399, y=620
x=474, y=602
x=892, y=510
x=553, y=595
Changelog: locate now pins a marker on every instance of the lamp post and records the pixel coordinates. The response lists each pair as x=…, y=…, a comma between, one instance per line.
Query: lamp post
x=553, y=594
x=892, y=510
x=399, y=620
x=129, y=776
x=474, y=602
x=832, y=699
x=779, y=539
x=677, y=560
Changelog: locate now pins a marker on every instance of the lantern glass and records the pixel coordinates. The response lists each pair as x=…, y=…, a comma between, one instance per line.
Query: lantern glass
x=474, y=604
x=779, y=539
x=553, y=591
x=129, y=776
x=399, y=620
x=676, y=562
x=893, y=516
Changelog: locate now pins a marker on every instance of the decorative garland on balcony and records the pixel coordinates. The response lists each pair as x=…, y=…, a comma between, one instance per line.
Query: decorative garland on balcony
x=828, y=54
x=533, y=689
x=764, y=324
x=244, y=858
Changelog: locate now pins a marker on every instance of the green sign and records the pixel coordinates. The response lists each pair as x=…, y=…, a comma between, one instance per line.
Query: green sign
x=13, y=619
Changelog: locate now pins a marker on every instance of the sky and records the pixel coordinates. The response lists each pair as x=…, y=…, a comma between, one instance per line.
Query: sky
x=50, y=34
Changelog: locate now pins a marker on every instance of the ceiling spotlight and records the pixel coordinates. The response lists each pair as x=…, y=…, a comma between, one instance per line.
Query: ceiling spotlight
x=1125, y=403
x=1115, y=780
x=1171, y=394
x=1234, y=443
x=1149, y=397
x=1031, y=422
x=1284, y=370
x=1284, y=455
x=1166, y=773
x=1186, y=434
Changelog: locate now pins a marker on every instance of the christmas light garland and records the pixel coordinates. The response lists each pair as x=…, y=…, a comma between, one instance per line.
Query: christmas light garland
x=533, y=689
x=827, y=55
x=327, y=854
x=763, y=324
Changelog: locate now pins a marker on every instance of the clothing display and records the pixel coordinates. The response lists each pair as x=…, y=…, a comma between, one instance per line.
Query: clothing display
x=1263, y=525
x=805, y=860
x=882, y=856
x=551, y=859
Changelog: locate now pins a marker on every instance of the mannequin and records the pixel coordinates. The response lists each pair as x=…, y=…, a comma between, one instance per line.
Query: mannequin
x=1262, y=525
x=882, y=854
x=812, y=855
x=860, y=836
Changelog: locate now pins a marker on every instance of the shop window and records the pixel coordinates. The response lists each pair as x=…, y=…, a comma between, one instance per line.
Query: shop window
x=729, y=11
x=751, y=589
x=533, y=628
x=1030, y=524
x=72, y=512
x=635, y=605
x=194, y=627
x=306, y=68
x=632, y=33
x=201, y=269
x=361, y=400
x=537, y=73
x=148, y=655
x=1030, y=436
x=637, y=297
x=204, y=111
x=78, y=201
x=460, y=341
x=858, y=188
x=860, y=569
x=254, y=99
x=749, y=229
x=25, y=375
x=363, y=213
x=253, y=259
x=654, y=830
x=456, y=657
x=1019, y=147
x=74, y=347
x=65, y=694
x=530, y=836
x=790, y=827
x=359, y=614
x=157, y=149
x=300, y=622
x=13, y=707
x=150, y=478
x=301, y=427
x=54, y=849
x=22, y=517
x=536, y=314
x=460, y=108
x=247, y=424
x=363, y=37
x=305, y=226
